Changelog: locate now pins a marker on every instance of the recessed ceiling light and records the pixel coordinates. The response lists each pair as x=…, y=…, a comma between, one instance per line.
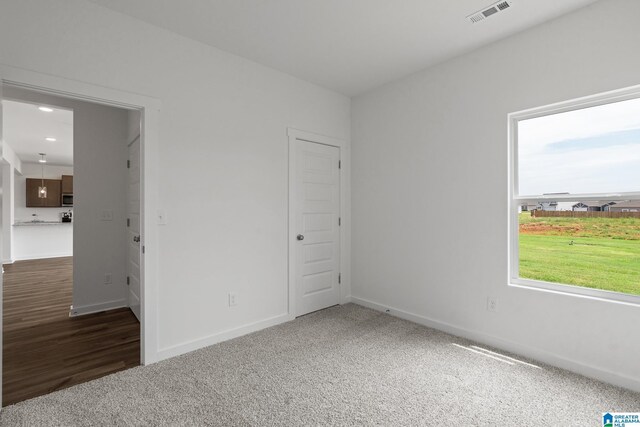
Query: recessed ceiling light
x=50, y=139
x=45, y=109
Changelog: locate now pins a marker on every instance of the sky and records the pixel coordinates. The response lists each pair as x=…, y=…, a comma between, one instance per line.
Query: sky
x=594, y=150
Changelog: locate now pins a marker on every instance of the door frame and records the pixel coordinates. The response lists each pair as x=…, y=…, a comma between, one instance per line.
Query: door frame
x=296, y=135
x=149, y=144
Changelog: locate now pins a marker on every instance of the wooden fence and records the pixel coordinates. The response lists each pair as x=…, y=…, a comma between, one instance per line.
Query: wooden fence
x=537, y=213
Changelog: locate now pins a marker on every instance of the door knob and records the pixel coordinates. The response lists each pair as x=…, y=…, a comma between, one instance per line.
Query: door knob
x=300, y=237
x=136, y=239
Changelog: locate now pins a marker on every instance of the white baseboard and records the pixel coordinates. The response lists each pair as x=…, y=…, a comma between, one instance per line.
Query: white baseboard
x=190, y=346
x=8, y=261
x=512, y=347
x=96, y=308
x=42, y=256
x=347, y=299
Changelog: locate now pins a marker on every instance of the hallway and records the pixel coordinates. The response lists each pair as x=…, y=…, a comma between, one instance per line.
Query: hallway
x=43, y=348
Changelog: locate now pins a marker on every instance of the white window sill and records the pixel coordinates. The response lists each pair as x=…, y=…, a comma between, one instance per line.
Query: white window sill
x=576, y=291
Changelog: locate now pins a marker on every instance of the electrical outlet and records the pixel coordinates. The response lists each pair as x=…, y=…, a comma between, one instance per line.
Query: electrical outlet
x=106, y=215
x=108, y=279
x=233, y=299
x=492, y=304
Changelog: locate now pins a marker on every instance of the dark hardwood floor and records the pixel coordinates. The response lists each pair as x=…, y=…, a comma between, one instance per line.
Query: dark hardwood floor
x=43, y=348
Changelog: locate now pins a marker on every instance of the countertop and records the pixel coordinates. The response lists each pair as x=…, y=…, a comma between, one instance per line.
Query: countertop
x=25, y=223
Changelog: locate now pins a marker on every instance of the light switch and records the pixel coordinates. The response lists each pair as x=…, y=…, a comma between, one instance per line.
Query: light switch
x=162, y=217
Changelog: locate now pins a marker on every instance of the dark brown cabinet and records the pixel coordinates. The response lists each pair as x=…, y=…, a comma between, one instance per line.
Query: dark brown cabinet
x=67, y=184
x=54, y=193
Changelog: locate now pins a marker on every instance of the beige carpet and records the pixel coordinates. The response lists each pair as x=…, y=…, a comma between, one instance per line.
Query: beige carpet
x=342, y=366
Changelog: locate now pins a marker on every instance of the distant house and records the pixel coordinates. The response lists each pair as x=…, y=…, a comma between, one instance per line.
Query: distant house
x=592, y=206
x=580, y=207
x=565, y=206
x=550, y=205
x=627, y=206
x=527, y=207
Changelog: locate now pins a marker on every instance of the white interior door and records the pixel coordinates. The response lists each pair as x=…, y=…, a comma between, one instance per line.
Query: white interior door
x=317, y=221
x=133, y=227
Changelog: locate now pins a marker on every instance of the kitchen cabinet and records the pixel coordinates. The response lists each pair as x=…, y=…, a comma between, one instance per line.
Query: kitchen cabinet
x=54, y=193
x=67, y=184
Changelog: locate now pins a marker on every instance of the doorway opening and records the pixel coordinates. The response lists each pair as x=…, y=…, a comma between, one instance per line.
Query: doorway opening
x=69, y=317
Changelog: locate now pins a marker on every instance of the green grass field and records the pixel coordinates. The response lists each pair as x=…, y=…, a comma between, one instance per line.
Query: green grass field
x=602, y=253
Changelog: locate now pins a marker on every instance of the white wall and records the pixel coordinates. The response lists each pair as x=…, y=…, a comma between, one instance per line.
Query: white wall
x=427, y=147
x=40, y=241
x=99, y=184
x=10, y=156
x=10, y=165
x=8, y=202
x=223, y=154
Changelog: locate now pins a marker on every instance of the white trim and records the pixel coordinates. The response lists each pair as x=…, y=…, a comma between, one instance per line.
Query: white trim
x=149, y=135
x=58, y=255
x=609, y=97
x=513, y=224
x=199, y=343
x=509, y=346
x=579, y=197
x=314, y=137
x=75, y=89
x=345, y=212
x=8, y=261
x=96, y=308
x=576, y=291
x=514, y=199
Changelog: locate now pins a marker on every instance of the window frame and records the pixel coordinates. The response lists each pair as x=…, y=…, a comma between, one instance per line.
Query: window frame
x=515, y=200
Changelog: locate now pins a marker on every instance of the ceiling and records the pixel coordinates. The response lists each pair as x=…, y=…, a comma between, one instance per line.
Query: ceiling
x=25, y=128
x=349, y=46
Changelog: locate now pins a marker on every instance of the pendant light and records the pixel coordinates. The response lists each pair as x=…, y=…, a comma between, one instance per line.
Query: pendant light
x=42, y=190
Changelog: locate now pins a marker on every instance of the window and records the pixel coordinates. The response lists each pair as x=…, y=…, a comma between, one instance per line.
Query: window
x=575, y=196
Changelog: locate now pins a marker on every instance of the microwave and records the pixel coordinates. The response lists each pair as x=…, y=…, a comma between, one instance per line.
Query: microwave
x=67, y=200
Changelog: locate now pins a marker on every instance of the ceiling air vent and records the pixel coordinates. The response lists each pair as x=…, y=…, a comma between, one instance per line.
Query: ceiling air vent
x=490, y=11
